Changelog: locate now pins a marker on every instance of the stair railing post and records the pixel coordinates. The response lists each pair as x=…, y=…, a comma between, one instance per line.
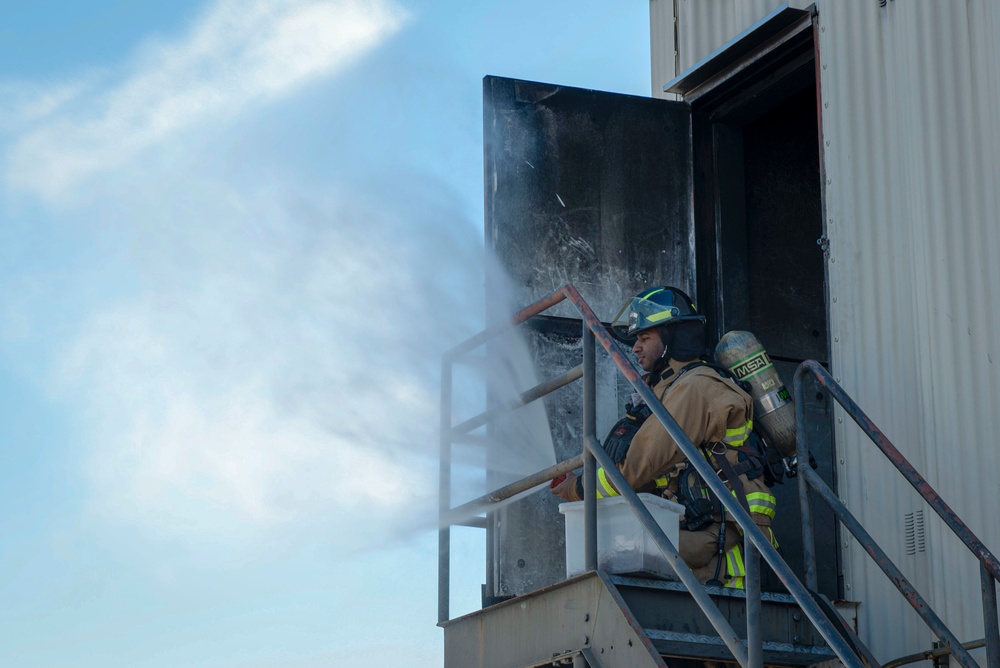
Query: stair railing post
x=802, y=454
x=751, y=584
x=990, y=623
x=891, y=571
x=444, y=495
x=589, y=465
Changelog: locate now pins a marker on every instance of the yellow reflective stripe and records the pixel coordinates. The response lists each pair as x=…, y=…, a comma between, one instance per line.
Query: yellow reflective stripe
x=762, y=503
x=604, y=487
x=662, y=482
x=662, y=315
x=735, y=568
x=740, y=569
x=734, y=562
x=738, y=435
x=651, y=293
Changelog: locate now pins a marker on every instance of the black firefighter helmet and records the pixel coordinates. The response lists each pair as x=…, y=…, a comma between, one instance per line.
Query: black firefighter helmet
x=654, y=307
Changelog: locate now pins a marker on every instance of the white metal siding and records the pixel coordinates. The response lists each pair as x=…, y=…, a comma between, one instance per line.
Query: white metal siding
x=909, y=94
x=911, y=104
x=873, y=328
x=703, y=26
x=661, y=43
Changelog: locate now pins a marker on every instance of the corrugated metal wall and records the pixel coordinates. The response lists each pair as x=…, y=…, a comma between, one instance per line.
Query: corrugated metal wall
x=702, y=27
x=662, y=53
x=909, y=95
x=911, y=109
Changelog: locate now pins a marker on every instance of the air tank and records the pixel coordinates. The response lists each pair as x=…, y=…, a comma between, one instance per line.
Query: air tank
x=774, y=412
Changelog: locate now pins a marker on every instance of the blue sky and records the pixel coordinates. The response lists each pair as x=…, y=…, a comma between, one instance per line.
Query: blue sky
x=235, y=238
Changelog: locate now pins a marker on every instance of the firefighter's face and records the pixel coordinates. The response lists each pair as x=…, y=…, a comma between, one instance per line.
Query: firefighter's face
x=648, y=348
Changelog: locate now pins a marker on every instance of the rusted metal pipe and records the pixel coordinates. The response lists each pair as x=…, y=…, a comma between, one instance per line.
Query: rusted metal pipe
x=496, y=330
x=524, y=399
x=448, y=517
x=481, y=504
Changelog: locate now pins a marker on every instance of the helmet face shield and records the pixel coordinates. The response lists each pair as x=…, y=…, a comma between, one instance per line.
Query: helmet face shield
x=652, y=308
x=639, y=314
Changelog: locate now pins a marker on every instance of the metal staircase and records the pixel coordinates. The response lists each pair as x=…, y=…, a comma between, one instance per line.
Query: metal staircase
x=600, y=620
x=612, y=621
x=621, y=621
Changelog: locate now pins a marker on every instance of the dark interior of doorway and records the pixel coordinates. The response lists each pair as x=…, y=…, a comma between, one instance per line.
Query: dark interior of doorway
x=761, y=263
x=785, y=298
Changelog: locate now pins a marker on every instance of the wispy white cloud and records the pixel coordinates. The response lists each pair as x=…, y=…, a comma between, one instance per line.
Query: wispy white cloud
x=24, y=102
x=240, y=53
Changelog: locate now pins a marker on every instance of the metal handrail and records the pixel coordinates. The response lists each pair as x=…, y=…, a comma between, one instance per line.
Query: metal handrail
x=755, y=540
x=989, y=566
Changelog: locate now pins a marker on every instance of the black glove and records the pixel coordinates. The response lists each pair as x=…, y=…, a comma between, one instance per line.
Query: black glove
x=620, y=437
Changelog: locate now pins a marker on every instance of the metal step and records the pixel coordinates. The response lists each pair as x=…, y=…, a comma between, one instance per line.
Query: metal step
x=623, y=622
x=548, y=626
x=676, y=626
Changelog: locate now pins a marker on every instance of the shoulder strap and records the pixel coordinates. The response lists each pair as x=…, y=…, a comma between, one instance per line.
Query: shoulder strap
x=705, y=360
x=653, y=378
x=731, y=476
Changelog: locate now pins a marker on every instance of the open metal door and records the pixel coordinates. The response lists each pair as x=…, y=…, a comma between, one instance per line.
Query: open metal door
x=593, y=189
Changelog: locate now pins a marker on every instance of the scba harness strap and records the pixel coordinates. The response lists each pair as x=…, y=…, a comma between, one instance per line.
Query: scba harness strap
x=701, y=506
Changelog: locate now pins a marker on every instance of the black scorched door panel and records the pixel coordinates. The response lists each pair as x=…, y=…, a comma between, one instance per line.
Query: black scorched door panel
x=588, y=188
x=592, y=189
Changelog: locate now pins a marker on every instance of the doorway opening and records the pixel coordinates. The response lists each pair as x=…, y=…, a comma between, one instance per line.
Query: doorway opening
x=759, y=225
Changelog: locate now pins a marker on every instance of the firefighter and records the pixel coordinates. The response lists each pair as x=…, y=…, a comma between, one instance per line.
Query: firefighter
x=668, y=339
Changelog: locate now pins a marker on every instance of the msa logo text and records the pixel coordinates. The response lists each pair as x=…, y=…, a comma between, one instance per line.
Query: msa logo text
x=752, y=365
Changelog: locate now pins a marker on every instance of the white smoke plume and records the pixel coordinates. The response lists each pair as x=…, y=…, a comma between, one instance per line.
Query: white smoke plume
x=292, y=372
x=271, y=356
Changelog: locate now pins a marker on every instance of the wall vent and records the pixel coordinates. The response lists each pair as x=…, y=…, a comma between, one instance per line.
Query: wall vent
x=914, y=526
